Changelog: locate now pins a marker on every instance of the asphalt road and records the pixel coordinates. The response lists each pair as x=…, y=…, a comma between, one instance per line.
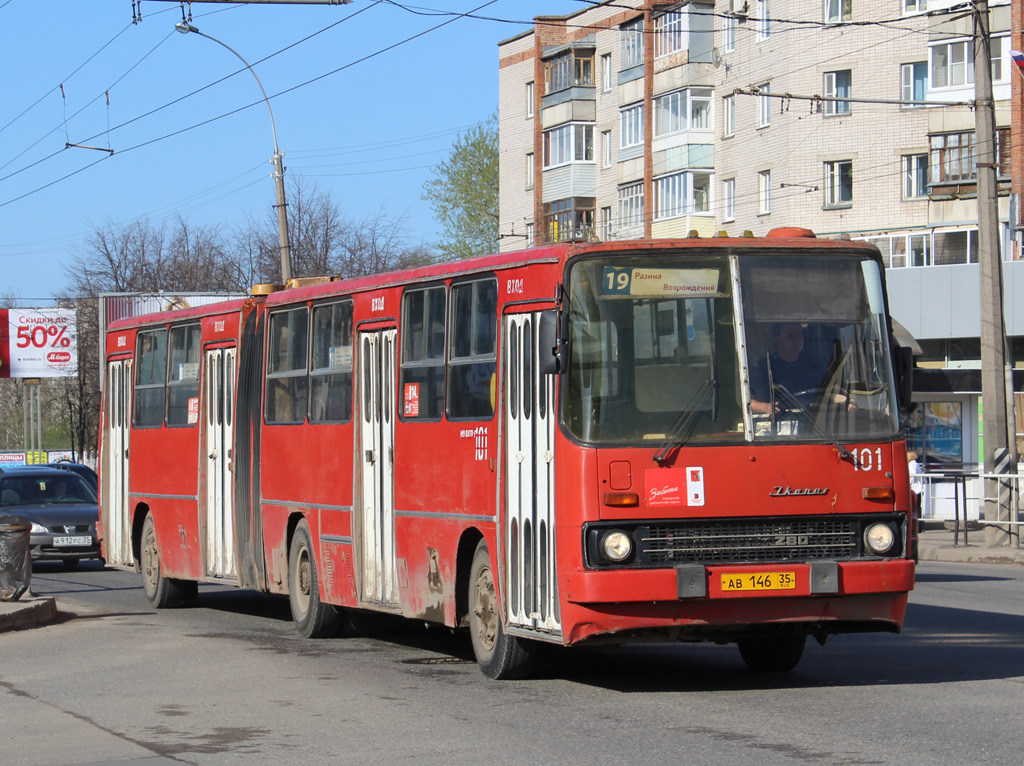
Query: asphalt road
x=227, y=681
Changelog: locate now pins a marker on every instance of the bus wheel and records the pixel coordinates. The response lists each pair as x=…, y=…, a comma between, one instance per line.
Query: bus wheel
x=498, y=654
x=772, y=654
x=161, y=591
x=312, y=617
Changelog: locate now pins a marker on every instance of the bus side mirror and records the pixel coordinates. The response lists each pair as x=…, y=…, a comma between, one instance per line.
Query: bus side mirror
x=549, y=345
x=904, y=376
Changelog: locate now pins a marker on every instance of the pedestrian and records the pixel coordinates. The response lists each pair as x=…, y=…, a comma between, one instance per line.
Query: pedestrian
x=916, y=482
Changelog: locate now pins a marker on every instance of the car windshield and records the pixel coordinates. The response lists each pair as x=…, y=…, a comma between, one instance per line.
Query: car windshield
x=64, y=488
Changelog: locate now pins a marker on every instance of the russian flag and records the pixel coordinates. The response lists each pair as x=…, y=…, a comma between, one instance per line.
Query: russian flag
x=1018, y=58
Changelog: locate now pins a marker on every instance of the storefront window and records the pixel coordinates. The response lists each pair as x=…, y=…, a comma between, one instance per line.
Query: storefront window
x=935, y=432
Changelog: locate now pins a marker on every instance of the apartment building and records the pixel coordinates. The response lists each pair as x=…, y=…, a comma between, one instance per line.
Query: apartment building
x=632, y=118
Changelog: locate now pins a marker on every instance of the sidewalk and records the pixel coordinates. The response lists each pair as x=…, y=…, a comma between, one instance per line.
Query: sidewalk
x=935, y=544
x=27, y=612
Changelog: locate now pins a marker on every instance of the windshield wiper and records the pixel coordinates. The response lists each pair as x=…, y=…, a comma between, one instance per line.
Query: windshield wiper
x=684, y=420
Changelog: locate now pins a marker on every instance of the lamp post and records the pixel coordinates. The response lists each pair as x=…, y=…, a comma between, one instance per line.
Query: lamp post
x=282, y=212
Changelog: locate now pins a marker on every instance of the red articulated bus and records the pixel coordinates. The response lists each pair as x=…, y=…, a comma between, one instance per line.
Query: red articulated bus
x=573, y=443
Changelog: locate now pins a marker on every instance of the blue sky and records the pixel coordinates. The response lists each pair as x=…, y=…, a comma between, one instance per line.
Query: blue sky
x=368, y=134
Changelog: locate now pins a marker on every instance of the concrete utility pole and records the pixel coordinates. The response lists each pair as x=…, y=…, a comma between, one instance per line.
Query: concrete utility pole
x=999, y=443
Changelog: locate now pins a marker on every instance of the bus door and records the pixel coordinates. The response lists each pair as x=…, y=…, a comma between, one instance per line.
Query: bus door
x=218, y=434
x=117, y=512
x=529, y=527
x=377, y=357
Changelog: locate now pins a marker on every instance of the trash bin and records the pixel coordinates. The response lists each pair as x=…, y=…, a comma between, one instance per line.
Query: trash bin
x=15, y=559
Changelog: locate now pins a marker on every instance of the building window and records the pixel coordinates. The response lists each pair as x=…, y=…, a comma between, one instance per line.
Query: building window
x=569, y=219
x=569, y=143
x=952, y=64
x=606, y=148
x=632, y=133
x=633, y=44
x=764, y=192
x=838, y=184
x=762, y=19
x=606, y=72
x=915, y=176
x=764, y=106
x=915, y=82
x=837, y=85
x=997, y=46
x=682, y=110
x=668, y=33
x=915, y=6
x=728, y=33
x=682, y=194
x=607, y=222
x=529, y=100
x=529, y=170
x=953, y=158
x=729, y=199
x=631, y=205
x=838, y=11
x=728, y=115
x=568, y=69
x=529, y=235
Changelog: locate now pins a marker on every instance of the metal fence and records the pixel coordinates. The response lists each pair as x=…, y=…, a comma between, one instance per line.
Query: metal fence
x=961, y=496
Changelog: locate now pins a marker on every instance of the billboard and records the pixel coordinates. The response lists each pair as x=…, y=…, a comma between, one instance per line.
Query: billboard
x=38, y=343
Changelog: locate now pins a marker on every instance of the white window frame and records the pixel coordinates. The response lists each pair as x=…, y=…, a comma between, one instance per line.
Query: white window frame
x=958, y=71
x=764, y=106
x=908, y=82
x=606, y=72
x=669, y=33
x=608, y=223
x=631, y=205
x=834, y=88
x=607, y=150
x=838, y=11
x=632, y=44
x=915, y=176
x=678, y=194
x=729, y=199
x=529, y=100
x=728, y=116
x=631, y=121
x=838, y=194
x=911, y=7
x=561, y=144
x=762, y=20
x=728, y=33
x=764, y=192
x=529, y=170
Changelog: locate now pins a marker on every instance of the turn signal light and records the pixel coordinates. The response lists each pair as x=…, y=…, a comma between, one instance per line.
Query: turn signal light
x=622, y=499
x=879, y=493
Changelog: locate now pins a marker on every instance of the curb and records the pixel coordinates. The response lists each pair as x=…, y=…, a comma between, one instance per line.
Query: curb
x=27, y=613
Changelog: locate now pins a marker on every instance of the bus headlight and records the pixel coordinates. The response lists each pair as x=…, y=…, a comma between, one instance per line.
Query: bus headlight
x=616, y=546
x=879, y=538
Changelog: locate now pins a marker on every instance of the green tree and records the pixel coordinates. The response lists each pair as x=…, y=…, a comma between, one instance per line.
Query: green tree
x=463, y=193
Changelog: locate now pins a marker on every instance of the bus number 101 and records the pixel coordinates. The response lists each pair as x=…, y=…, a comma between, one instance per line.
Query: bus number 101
x=867, y=460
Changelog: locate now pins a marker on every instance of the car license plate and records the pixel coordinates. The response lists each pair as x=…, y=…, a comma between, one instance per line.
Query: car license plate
x=59, y=542
x=759, y=581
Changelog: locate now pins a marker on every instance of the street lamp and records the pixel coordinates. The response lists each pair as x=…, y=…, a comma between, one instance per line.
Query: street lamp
x=282, y=213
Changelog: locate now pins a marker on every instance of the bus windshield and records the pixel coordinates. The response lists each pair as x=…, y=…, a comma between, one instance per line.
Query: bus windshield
x=656, y=350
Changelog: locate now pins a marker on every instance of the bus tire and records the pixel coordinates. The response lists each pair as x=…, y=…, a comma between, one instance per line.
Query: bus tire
x=499, y=655
x=772, y=654
x=162, y=592
x=313, y=618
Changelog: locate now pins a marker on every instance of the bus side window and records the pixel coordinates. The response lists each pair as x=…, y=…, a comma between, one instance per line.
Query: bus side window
x=150, y=378
x=287, y=381
x=331, y=368
x=423, y=341
x=473, y=362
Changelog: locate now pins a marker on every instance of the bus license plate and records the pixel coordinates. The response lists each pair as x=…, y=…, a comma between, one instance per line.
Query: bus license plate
x=759, y=581
x=59, y=542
